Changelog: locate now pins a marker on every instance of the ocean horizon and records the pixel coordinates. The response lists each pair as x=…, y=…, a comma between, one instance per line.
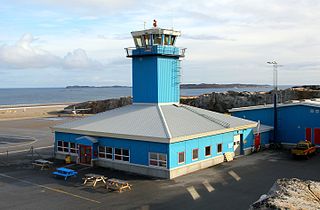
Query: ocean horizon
x=16, y=96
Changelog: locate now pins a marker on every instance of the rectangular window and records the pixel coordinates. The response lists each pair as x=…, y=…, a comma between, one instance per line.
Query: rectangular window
x=66, y=146
x=158, y=159
x=219, y=148
x=157, y=39
x=63, y=146
x=105, y=152
x=138, y=41
x=195, y=154
x=59, y=146
x=207, y=151
x=181, y=157
x=121, y=154
x=73, y=148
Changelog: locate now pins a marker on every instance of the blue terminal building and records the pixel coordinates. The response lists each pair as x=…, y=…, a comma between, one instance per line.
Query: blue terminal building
x=296, y=121
x=156, y=135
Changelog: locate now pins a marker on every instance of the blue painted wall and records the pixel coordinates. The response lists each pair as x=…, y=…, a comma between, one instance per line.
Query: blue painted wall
x=155, y=77
x=144, y=79
x=265, y=115
x=139, y=150
x=292, y=120
x=200, y=143
x=168, y=80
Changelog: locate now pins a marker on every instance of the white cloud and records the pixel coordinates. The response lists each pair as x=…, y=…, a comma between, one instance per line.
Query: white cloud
x=24, y=55
x=78, y=59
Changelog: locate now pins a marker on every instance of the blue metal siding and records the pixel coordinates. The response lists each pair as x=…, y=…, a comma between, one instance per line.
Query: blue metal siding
x=200, y=143
x=265, y=115
x=144, y=79
x=292, y=121
x=265, y=137
x=168, y=80
x=139, y=150
x=155, y=77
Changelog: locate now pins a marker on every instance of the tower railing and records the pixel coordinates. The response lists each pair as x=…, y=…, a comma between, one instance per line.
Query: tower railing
x=155, y=50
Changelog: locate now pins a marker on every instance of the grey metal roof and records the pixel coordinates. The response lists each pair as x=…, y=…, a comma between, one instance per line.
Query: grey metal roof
x=307, y=102
x=263, y=128
x=150, y=122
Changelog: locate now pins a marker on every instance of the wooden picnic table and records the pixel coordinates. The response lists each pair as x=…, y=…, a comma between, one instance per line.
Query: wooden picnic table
x=42, y=163
x=94, y=179
x=118, y=185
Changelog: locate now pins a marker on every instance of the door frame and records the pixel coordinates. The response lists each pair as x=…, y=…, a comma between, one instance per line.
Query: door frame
x=316, y=136
x=85, y=149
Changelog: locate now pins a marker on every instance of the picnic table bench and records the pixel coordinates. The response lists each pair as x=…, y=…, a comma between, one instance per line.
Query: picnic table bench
x=94, y=179
x=118, y=185
x=42, y=164
x=65, y=172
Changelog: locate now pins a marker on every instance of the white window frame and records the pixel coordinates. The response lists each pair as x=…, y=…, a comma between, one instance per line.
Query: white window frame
x=105, y=153
x=184, y=158
x=205, y=151
x=158, y=161
x=197, y=154
x=75, y=148
x=66, y=149
x=121, y=155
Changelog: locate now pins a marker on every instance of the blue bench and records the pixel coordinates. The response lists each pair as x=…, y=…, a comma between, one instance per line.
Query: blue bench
x=65, y=172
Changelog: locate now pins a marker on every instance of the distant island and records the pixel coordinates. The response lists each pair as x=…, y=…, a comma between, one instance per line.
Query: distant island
x=85, y=86
x=184, y=86
x=207, y=86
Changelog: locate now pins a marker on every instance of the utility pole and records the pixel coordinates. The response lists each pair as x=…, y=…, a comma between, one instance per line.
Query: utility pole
x=275, y=99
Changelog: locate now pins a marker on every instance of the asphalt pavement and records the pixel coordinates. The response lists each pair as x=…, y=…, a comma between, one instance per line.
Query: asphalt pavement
x=232, y=185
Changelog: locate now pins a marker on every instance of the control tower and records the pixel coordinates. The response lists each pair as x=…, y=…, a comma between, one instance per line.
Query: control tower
x=155, y=66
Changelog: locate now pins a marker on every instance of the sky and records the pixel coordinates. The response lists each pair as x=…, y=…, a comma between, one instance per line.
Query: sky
x=56, y=43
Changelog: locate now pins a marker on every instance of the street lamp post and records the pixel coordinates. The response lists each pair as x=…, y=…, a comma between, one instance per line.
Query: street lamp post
x=275, y=98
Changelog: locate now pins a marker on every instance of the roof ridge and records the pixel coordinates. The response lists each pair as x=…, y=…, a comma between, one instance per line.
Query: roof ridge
x=164, y=122
x=212, y=119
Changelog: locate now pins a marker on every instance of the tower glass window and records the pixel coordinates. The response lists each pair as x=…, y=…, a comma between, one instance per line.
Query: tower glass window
x=166, y=40
x=147, y=40
x=156, y=39
x=138, y=41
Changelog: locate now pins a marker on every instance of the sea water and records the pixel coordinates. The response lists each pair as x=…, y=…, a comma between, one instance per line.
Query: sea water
x=13, y=96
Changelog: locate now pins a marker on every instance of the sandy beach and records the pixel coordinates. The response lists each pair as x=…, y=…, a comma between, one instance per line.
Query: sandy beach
x=11, y=112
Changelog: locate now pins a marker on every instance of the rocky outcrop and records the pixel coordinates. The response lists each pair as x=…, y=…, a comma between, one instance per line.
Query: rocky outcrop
x=219, y=102
x=291, y=194
x=93, y=107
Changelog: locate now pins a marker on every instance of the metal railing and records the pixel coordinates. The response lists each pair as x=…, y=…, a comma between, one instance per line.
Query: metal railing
x=155, y=50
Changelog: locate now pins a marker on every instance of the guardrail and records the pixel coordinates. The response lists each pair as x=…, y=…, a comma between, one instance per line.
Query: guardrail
x=155, y=50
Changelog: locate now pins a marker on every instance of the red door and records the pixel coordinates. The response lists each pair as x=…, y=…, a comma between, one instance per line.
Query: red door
x=308, y=134
x=257, y=141
x=317, y=136
x=85, y=154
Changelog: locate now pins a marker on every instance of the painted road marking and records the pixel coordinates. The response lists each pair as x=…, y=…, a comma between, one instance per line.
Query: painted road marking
x=234, y=175
x=208, y=186
x=195, y=195
x=25, y=150
x=50, y=188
